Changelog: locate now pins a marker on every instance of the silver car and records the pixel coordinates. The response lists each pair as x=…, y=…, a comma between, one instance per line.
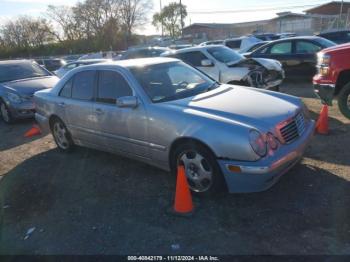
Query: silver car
x=19, y=80
x=70, y=66
x=164, y=112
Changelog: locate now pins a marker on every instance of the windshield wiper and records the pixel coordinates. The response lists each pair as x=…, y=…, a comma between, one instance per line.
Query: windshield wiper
x=212, y=87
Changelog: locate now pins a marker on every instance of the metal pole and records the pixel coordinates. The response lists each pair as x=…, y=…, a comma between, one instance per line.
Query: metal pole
x=340, y=13
x=160, y=5
x=181, y=17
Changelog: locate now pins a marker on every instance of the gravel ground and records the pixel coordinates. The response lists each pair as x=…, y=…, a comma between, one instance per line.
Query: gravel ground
x=90, y=202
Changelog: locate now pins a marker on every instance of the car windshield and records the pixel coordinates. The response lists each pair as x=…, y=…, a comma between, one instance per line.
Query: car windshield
x=325, y=42
x=172, y=81
x=17, y=71
x=225, y=55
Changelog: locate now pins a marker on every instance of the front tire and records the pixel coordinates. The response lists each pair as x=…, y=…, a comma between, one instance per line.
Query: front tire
x=5, y=113
x=202, y=170
x=61, y=135
x=344, y=101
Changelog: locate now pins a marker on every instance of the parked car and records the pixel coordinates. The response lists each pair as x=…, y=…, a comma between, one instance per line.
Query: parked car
x=227, y=66
x=297, y=54
x=51, y=64
x=333, y=77
x=240, y=43
x=253, y=47
x=66, y=68
x=143, y=52
x=19, y=79
x=213, y=42
x=267, y=36
x=339, y=37
x=177, y=47
x=165, y=113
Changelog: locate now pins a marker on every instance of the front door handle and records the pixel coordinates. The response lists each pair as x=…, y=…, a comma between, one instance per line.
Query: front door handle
x=62, y=104
x=99, y=111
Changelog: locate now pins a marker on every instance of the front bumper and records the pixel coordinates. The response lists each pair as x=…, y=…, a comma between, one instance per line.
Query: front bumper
x=22, y=110
x=261, y=175
x=325, y=92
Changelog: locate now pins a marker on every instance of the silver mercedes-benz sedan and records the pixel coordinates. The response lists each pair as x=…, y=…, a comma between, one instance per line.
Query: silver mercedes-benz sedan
x=164, y=112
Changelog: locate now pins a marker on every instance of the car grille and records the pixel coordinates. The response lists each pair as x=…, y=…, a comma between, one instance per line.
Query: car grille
x=292, y=129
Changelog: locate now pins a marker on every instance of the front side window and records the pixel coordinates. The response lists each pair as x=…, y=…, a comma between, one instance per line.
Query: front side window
x=192, y=58
x=281, y=48
x=111, y=85
x=16, y=71
x=305, y=47
x=83, y=85
x=171, y=81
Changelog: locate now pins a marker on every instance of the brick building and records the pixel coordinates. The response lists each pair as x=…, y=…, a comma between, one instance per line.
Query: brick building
x=314, y=20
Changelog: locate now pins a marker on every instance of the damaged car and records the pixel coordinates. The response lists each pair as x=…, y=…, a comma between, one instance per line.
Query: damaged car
x=229, y=67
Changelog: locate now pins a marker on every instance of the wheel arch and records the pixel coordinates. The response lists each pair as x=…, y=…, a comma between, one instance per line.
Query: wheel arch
x=342, y=80
x=52, y=118
x=186, y=140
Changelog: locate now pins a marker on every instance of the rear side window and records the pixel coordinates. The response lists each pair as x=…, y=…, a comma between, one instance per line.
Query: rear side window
x=281, y=48
x=236, y=44
x=83, y=85
x=305, y=47
x=66, y=91
x=192, y=58
x=111, y=85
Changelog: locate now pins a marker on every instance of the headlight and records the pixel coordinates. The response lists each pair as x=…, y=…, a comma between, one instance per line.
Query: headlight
x=14, y=98
x=323, y=59
x=257, y=142
x=271, y=141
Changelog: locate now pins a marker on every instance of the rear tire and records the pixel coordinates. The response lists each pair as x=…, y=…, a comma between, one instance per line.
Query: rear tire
x=344, y=101
x=203, y=173
x=5, y=113
x=61, y=135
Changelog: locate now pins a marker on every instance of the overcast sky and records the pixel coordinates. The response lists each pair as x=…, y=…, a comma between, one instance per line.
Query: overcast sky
x=200, y=11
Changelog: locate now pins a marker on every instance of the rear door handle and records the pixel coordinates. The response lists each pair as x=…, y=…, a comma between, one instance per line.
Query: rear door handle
x=99, y=111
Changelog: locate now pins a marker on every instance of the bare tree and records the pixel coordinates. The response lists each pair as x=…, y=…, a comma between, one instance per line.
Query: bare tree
x=134, y=13
x=26, y=31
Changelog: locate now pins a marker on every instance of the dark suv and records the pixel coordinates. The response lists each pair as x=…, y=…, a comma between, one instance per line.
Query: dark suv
x=339, y=37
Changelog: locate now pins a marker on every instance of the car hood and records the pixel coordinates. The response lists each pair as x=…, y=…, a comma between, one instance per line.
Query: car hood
x=246, y=106
x=269, y=64
x=30, y=86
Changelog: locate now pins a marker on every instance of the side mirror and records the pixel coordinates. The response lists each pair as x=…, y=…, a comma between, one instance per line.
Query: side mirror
x=207, y=63
x=127, y=101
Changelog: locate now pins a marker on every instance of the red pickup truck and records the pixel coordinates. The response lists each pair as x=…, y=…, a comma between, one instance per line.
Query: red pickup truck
x=333, y=77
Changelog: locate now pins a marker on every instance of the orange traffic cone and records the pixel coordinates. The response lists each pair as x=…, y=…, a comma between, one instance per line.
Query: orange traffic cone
x=34, y=131
x=322, y=122
x=183, y=200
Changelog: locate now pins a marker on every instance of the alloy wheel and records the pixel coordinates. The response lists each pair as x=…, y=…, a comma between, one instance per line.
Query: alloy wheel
x=199, y=173
x=60, y=134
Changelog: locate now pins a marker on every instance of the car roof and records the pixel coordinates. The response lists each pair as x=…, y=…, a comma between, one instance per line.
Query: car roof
x=135, y=62
x=90, y=61
x=12, y=62
x=296, y=38
x=194, y=48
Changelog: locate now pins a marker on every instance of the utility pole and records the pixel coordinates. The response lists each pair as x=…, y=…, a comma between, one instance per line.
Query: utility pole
x=340, y=14
x=160, y=5
x=182, y=22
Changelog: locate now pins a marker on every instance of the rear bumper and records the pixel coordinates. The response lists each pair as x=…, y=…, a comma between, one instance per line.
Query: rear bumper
x=261, y=175
x=43, y=123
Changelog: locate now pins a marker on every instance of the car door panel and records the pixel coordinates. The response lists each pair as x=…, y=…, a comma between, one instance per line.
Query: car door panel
x=120, y=129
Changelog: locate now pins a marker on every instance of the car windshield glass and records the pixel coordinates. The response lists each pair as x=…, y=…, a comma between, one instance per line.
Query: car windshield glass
x=325, y=42
x=225, y=55
x=171, y=81
x=17, y=71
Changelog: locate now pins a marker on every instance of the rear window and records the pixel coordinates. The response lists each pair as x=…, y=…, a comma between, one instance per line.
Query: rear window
x=325, y=42
x=235, y=44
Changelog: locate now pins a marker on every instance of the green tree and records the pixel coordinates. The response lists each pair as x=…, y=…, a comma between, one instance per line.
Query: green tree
x=170, y=18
